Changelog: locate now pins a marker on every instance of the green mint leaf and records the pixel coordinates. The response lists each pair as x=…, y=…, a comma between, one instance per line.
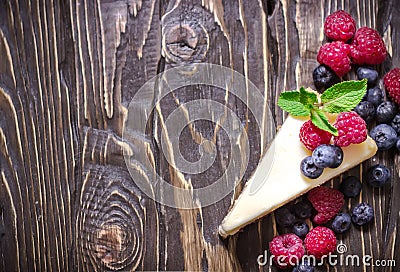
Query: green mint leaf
x=290, y=102
x=343, y=96
x=307, y=98
x=319, y=119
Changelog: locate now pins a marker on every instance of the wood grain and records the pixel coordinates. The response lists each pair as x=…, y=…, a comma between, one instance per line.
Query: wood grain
x=68, y=71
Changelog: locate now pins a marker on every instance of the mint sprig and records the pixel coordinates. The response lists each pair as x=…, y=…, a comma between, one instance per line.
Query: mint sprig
x=339, y=98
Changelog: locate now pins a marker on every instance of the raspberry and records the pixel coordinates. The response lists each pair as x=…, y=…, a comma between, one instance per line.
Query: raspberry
x=320, y=241
x=351, y=129
x=336, y=56
x=392, y=84
x=367, y=47
x=287, y=250
x=311, y=136
x=340, y=26
x=327, y=202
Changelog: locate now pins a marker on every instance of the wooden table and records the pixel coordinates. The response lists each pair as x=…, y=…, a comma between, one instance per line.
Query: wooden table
x=68, y=71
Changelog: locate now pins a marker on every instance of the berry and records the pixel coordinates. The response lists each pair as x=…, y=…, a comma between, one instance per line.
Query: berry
x=362, y=214
x=385, y=112
x=392, y=84
x=396, y=123
x=378, y=175
x=309, y=169
x=287, y=250
x=366, y=110
x=327, y=156
x=324, y=77
x=375, y=96
x=336, y=56
x=311, y=136
x=302, y=209
x=384, y=135
x=284, y=217
x=367, y=47
x=300, y=229
x=370, y=74
x=351, y=129
x=341, y=223
x=350, y=186
x=340, y=26
x=398, y=144
x=320, y=241
x=304, y=266
x=327, y=202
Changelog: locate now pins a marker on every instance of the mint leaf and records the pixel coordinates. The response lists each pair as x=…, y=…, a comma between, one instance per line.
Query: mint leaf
x=290, y=102
x=307, y=98
x=343, y=96
x=319, y=119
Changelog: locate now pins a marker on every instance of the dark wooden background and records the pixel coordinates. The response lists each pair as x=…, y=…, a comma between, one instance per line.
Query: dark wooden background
x=68, y=70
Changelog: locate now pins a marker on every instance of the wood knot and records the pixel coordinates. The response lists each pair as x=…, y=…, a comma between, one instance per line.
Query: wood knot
x=184, y=42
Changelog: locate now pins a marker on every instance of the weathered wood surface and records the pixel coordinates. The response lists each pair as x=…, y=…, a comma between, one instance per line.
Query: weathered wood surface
x=68, y=70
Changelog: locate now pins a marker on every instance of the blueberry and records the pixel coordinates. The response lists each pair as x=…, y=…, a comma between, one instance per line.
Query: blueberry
x=370, y=74
x=378, y=175
x=300, y=229
x=385, y=112
x=304, y=266
x=324, y=78
x=396, y=123
x=284, y=217
x=398, y=144
x=366, y=110
x=302, y=209
x=341, y=223
x=327, y=156
x=362, y=214
x=384, y=135
x=374, y=95
x=350, y=186
x=309, y=169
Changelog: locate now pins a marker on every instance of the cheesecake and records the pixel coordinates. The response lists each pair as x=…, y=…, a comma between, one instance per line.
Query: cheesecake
x=278, y=178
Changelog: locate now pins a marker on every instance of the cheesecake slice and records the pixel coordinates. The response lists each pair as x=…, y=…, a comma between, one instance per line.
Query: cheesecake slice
x=278, y=179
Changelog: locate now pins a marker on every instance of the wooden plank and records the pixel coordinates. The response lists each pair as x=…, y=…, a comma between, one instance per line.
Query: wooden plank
x=68, y=72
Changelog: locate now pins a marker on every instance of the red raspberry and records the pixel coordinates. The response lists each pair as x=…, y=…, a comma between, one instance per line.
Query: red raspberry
x=392, y=84
x=311, y=136
x=340, y=26
x=287, y=250
x=351, y=129
x=327, y=201
x=320, y=241
x=336, y=56
x=367, y=47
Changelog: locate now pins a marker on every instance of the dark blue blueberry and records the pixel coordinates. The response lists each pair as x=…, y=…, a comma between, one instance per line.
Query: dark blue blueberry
x=284, y=217
x=370, y=74
x=302, y=209
x=384, y=135
x=374, y=95
x=304, y=266
x=341, y=223
x=327, y=156
x=396, y=123
x=362, y=214
x=385, y=112
x=378, y=175
x=309, y=169
x=398, y=144
x=324, y=78
x=350, y=186
x=366, y=110
x=300, y=229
